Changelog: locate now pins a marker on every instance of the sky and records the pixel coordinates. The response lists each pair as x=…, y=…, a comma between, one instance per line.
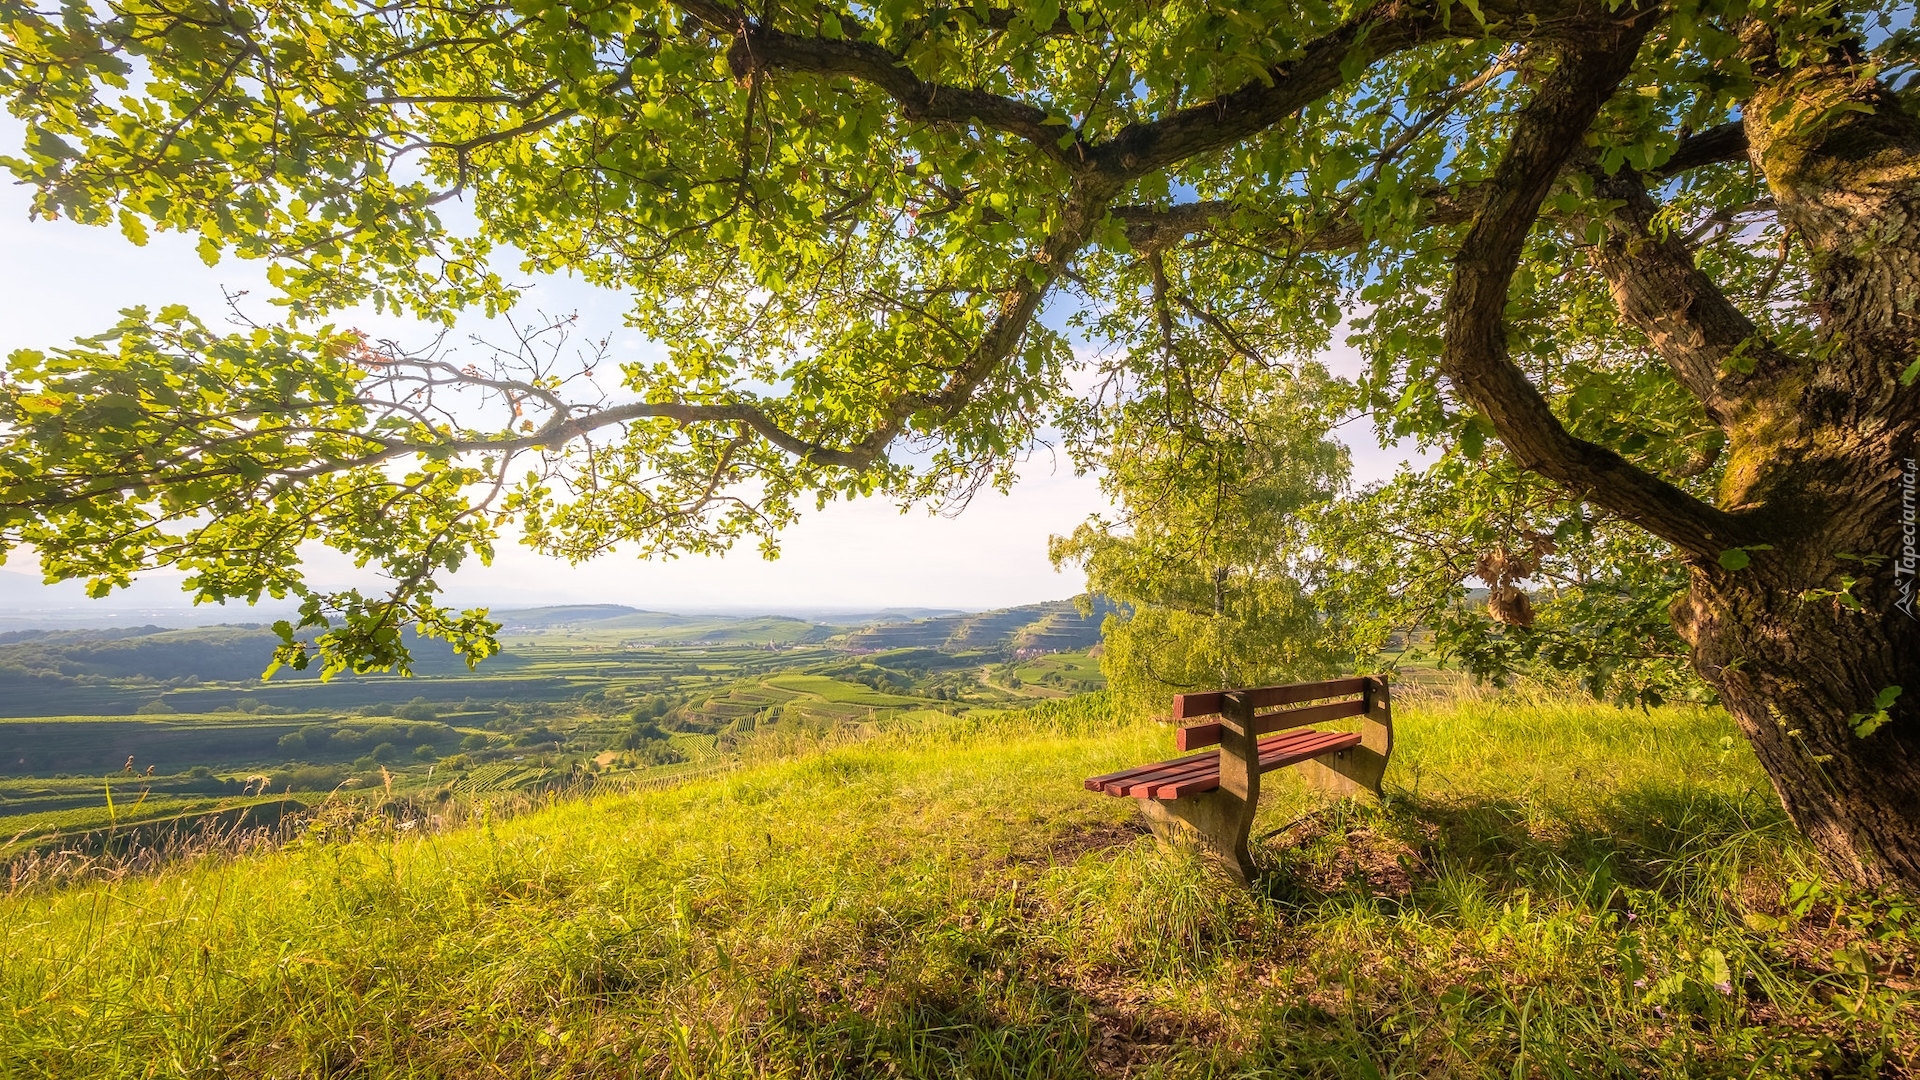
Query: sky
x=59, y=280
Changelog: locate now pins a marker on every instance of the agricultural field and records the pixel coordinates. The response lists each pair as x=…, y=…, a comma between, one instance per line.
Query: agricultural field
x=1071, y=672
x=178, y=726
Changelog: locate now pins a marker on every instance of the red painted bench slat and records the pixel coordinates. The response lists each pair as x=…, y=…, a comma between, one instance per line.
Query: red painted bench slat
x=1099, y=783
x=1192, y=775
x=1199, y=735
x=1326, y=742
x=1188, y=706
x=1209, y=770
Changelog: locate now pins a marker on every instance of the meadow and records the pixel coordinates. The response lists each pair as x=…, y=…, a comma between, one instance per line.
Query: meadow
x=1551, y=889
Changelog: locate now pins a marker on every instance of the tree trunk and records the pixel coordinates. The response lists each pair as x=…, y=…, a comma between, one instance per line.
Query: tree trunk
x=1801, y=609
x=1807, y=641
x=1801, y=674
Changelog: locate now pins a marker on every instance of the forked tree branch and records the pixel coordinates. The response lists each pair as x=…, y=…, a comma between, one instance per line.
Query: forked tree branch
x=1713, y=348
x=1547, y=131
x=1382, y=28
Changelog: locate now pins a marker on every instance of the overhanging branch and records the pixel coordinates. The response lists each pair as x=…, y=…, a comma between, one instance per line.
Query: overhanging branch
x=1151, y=227
x=1713, y=349
x=1548, y=130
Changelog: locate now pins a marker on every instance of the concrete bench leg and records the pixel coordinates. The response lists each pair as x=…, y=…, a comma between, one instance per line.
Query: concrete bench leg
x=1220, y=821
x=1219, y=824
x=1349, y=772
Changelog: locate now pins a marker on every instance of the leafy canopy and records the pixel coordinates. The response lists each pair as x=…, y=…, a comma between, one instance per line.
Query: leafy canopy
x=868, y=239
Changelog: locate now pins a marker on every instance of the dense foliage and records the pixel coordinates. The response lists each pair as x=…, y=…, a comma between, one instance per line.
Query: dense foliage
x=842, y=228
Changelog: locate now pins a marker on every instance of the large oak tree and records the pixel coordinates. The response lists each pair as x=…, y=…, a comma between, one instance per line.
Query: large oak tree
x=1665, y=255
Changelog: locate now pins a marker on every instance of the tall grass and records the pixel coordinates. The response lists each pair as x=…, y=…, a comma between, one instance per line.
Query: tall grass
x=1550, y=890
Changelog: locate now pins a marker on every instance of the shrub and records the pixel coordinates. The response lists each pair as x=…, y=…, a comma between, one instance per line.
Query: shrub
x=418, y=709
x=156, y=707
x=293, y=742
x=425, y=752
x=386, y=753
x=475, y=741
x=659, y=753
x=637, y=734
x=309, y=778
x=378, y=733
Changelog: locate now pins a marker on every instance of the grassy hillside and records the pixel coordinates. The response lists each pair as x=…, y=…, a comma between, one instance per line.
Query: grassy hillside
x=1552, y=890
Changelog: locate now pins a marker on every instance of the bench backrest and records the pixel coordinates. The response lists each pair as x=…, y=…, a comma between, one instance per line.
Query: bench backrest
x=1361, y=696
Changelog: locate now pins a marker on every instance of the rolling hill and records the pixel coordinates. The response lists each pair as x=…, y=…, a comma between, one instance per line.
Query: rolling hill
x=1057, y=626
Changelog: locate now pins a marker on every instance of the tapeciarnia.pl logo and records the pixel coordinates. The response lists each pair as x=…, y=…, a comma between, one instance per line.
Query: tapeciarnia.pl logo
x=1907, y=565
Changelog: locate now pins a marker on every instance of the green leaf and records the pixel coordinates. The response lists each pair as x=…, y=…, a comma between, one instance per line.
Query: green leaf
x=1735, y=559
x=1865, y=724
x=134, y=229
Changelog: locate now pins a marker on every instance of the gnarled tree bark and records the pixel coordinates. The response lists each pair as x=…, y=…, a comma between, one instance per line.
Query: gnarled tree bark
x=1801, y=611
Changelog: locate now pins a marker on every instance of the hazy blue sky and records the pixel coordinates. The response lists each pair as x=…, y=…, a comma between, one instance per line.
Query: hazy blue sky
x=59, y=280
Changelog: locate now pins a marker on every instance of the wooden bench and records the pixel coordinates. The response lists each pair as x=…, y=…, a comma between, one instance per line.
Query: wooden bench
x=1212, y=797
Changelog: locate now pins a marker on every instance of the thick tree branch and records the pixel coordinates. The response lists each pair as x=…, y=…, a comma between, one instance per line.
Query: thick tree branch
x=1153, y=228
x=1715, y=351
x=1382, y=28
x=1019, y=303
x=1475, y=358
x=1727, y=142
x=757, y=48
x=1150, y=227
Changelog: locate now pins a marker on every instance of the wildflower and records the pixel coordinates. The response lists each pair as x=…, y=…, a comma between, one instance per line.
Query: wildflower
x=1640, y=983
x=1724, y=986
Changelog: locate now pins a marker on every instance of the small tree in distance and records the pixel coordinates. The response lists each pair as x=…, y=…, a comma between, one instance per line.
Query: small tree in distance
x=1210, y=557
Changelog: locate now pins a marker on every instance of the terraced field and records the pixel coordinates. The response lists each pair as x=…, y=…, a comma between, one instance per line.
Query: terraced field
x=841, y=693
x=1057, y=625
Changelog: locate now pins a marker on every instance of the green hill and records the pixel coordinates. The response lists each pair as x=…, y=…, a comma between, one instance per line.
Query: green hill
x=1552, y=890
x=1051, y=627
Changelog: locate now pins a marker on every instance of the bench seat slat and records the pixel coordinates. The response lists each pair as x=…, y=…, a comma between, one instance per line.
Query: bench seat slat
x=1201, y=772
x=1099, y=783
x=1163, y=772
x=1172, y=772
x=1209, y=766
x=1322, y=742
